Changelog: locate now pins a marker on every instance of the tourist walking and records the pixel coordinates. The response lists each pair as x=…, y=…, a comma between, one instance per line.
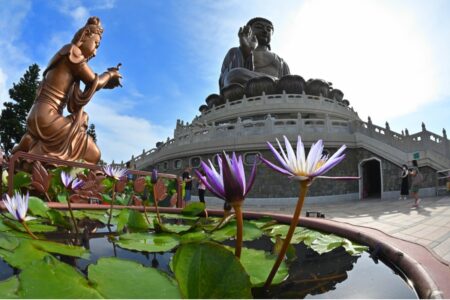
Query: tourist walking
x=416, y=180
x=201, y=186
x=404, y=189
x=187, y=179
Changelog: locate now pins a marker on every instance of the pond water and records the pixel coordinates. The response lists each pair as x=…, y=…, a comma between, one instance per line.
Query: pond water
x=331, y=275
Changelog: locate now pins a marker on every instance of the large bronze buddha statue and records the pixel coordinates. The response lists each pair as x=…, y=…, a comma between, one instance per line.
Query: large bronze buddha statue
x=50, y=133
x=253, y=58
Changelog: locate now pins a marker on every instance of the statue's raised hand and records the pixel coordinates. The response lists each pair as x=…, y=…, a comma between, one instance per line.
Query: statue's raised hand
x=114, y=81
x=247, y=39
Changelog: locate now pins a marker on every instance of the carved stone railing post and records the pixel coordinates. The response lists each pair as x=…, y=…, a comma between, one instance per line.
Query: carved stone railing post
x=327, y=123
x=299, y=122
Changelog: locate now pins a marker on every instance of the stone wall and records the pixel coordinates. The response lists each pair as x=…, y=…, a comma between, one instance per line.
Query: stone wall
x=270, y=184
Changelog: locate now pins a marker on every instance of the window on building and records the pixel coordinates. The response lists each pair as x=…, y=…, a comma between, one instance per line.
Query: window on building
x=195, y=161
x=250, y=157
x=177, y=164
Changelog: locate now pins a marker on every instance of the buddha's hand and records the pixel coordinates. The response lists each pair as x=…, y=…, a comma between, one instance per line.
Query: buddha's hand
x=247, y=39
x=114, y=81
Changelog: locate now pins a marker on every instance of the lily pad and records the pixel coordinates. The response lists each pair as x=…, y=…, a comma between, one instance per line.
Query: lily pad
x=328, y=242
x=354, y=248
x=148, y=242
x=174, y=228
x=193, y=209
x=137, y=221
x=195, y=236
x=37, y=207
x=59, y=248
x=250, y=232
x=49, y=278
x=8, y=242
x=117, y=278
x=23, y=255
x=258, y=265
x=177, y=216
x=208, y=270
x=301, y=234
x=9, y=287
x=122, y=219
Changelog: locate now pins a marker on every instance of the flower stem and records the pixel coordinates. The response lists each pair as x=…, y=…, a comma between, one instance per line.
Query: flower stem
x=72, y=216
x=112, y=204
x=287, y=240
x=239, y=226
x=28, y=230
x=155, y=195
x=145, y=212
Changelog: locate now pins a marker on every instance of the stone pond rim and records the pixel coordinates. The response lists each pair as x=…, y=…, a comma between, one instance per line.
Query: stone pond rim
x=428, y=273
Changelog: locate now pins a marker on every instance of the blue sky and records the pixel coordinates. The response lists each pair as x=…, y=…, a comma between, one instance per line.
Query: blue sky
x=390, y=58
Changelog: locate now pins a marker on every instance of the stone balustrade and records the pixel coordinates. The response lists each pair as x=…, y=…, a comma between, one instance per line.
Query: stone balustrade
x=339, y=120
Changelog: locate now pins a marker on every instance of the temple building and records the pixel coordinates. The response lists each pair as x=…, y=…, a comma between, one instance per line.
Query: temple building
x=259, y=105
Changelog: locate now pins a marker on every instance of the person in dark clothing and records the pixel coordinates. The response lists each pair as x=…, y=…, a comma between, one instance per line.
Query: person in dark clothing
x=187, y=178
x=404, y=191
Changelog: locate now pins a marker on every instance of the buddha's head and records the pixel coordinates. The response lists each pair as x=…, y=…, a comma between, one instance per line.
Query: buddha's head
x=262, y=29
x=88, y=38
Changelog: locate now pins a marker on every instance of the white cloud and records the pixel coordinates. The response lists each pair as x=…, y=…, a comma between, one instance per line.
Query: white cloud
x=120, y=135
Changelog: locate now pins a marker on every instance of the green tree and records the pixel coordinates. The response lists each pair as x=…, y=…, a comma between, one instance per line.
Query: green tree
x=91, y=132
x=13, y=118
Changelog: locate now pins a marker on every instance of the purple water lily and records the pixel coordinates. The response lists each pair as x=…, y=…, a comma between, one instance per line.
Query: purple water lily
x=70, y=182
x=229, y=182
x=297, y=167
x=17, y=206
x=230, y=185
x=115, y=172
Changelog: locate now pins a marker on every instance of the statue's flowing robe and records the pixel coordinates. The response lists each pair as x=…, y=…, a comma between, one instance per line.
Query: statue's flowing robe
x=50, y=133
x=235, y=59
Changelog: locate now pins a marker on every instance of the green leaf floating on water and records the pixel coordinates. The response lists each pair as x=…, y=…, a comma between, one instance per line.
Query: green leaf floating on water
x=23, y=255
x=258, y=265
x=208, y=270
x=8, y=242
x=148, y=242
x=172, y=228
x=318, y=241
x=118, y=278
x=195, y=236
x=59, y=248
x=37, y=207
x=137, y=221
x=35, y=226
x=100, y=215
x=193, y=209
x=250, y=232
x=49, y=278
x=176, y=216
x=327, y=243
x=122, y=219
x=9, y=287
x=29, y=250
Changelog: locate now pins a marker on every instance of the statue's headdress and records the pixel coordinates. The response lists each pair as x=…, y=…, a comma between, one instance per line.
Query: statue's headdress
x=93, y=26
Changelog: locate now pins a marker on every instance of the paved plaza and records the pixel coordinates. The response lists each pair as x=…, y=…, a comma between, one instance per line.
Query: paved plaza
x=428, y=225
